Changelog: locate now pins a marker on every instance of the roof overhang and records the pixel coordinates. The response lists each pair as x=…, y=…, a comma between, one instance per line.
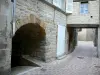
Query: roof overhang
x=84, y=25
x=82, y=0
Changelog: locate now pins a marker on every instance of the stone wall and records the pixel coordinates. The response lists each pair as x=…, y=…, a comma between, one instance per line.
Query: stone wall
x=90, y=34
x=87, y=34
x=72, y=38
x=5, y=37
x=82, y=35
x=96, y=37
x=98, y=43
x=49, y=15
x=91, y=18
x=98, y=32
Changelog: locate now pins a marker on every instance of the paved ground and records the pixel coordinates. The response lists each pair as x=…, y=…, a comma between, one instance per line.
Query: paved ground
x=82, y=61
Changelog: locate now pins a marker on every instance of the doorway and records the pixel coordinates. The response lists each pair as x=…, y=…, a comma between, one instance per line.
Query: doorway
x=27, y=41
x=61, y=41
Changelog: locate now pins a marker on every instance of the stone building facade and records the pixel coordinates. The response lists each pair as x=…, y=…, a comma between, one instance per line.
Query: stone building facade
x=92, y=17
x=49, y=17
x=26, y=11
x=89, y=19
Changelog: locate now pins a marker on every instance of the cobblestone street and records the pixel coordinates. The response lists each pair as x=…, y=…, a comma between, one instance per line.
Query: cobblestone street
x=82, y=61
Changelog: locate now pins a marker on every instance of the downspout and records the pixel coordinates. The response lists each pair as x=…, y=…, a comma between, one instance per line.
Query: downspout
x=13, y=16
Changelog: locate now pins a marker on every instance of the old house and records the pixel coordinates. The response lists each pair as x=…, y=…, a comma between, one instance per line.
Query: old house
x=47, y=37
x=85, y=15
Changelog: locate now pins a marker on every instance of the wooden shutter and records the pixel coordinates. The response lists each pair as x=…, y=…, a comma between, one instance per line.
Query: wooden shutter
x=69, y=6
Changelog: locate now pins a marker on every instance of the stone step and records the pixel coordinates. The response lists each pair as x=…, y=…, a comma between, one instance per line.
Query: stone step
x=24, y=70
x=34, y=60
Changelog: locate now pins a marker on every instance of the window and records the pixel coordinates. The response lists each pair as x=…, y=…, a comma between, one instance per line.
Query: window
x=84, y=8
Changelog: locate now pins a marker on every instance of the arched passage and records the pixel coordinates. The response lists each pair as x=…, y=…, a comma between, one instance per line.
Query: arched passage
x=27, y=41
x=76, y=28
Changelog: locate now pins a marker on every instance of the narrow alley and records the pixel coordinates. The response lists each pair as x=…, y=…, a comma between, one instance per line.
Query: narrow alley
x=83, y=61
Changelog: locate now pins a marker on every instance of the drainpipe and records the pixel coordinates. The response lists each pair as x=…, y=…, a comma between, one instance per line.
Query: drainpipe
x=13, y=16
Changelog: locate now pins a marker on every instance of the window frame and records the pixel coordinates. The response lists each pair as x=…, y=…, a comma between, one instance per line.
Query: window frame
x=85, y=7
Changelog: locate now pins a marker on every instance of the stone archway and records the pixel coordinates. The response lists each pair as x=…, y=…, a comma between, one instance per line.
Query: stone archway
x=28, y=40
x=95, y=26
